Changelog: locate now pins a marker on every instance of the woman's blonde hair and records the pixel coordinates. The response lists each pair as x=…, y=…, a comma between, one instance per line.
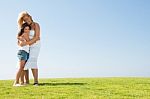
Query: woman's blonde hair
x=20, y=18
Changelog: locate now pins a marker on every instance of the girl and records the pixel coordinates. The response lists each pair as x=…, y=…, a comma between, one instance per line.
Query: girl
x=23, y=53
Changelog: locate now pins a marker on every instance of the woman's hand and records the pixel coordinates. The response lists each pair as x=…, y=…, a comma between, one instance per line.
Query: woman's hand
x=23, y=43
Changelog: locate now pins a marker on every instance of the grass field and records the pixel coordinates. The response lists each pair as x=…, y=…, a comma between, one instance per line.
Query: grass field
x=79, y=88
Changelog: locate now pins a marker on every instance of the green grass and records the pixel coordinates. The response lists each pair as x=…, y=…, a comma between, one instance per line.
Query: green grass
x=79, y=88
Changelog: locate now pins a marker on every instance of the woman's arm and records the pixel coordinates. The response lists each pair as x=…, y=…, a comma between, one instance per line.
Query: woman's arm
x=36, y=36
x=21, y=41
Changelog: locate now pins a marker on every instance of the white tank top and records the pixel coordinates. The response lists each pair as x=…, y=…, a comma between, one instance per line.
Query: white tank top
x=31, y=35
x=25, y=48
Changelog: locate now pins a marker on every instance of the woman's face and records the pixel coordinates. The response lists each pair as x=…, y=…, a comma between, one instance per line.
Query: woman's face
x=27, y=19
x=27, y=29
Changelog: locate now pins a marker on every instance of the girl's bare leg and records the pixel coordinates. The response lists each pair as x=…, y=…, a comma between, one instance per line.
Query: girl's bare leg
x=18, y=75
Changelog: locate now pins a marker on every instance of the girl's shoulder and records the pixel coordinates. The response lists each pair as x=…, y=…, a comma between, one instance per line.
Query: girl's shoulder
x=25, y=34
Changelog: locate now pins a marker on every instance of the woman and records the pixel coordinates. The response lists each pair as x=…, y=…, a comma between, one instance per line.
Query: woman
x=25, y=17
x=23, y=52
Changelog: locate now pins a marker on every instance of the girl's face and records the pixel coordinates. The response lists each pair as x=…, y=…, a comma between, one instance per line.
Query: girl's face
x=27, y=19
x=27, y=29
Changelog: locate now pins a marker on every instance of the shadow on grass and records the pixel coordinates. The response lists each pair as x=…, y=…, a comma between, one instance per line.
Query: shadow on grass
x=56, y=84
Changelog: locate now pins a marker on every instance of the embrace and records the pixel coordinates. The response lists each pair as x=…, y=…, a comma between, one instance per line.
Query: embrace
x=28, y=49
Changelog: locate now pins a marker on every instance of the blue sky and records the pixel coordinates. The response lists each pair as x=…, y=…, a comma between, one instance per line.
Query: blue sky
x=81, y=38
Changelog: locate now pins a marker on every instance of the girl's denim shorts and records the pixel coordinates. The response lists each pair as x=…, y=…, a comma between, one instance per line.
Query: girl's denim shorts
x=23, y=55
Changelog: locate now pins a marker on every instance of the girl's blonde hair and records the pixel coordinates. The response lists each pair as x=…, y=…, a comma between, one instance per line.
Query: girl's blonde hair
x=20, y=18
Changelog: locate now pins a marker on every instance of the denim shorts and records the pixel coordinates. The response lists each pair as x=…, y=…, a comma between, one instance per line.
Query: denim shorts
x=23, y=55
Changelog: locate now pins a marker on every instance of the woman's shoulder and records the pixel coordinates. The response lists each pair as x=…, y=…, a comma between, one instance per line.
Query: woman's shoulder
x=36, y=24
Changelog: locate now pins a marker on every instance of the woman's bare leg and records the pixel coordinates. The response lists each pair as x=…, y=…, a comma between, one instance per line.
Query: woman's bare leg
x=18, y=75
x=35, y=75
x=26, y=72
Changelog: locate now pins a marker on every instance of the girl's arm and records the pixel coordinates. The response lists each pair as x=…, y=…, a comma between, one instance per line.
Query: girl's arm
x=36, y=36
x=26, y=37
